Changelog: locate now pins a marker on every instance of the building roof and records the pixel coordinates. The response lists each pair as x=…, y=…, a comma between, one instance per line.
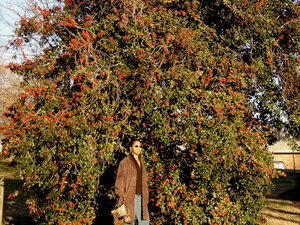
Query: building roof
x=280, y=147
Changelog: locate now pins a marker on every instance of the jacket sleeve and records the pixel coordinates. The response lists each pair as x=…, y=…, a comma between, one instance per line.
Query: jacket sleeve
x=119, y=184
x=145, y=180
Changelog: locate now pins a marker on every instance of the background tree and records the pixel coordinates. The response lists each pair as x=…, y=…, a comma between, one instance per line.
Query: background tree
x=9, y=88
x=199, y=82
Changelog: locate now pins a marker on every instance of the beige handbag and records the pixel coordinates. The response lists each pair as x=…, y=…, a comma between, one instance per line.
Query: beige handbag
x=121, y=214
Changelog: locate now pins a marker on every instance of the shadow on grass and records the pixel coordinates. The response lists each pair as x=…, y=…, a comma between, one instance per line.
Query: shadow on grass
x=15, y=209
x=284, y=202
x=290, y=211
x=292, y=194
x=281, y=218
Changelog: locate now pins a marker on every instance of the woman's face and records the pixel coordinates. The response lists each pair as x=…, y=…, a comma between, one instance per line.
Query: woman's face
x=136, y=148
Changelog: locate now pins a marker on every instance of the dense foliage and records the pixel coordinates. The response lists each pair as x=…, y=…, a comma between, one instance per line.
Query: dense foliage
x=199, y=82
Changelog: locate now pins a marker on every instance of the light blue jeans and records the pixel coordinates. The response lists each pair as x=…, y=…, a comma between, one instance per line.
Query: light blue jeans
x=138, y=212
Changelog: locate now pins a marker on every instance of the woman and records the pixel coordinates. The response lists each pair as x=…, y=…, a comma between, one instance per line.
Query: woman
x=131, y=180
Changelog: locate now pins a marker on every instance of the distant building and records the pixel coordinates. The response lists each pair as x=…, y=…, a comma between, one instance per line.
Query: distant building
x=282, y=152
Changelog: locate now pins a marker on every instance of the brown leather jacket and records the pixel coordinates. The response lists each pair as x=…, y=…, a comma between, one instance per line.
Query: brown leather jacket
x=126, y=182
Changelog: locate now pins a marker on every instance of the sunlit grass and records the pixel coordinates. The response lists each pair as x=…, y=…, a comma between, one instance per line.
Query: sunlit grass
x=279, y=212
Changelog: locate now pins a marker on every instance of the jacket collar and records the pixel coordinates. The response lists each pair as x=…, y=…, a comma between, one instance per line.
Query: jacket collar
x=133, y=161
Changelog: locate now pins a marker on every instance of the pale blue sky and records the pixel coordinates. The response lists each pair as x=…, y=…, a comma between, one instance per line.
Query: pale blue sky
x=8, y=18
